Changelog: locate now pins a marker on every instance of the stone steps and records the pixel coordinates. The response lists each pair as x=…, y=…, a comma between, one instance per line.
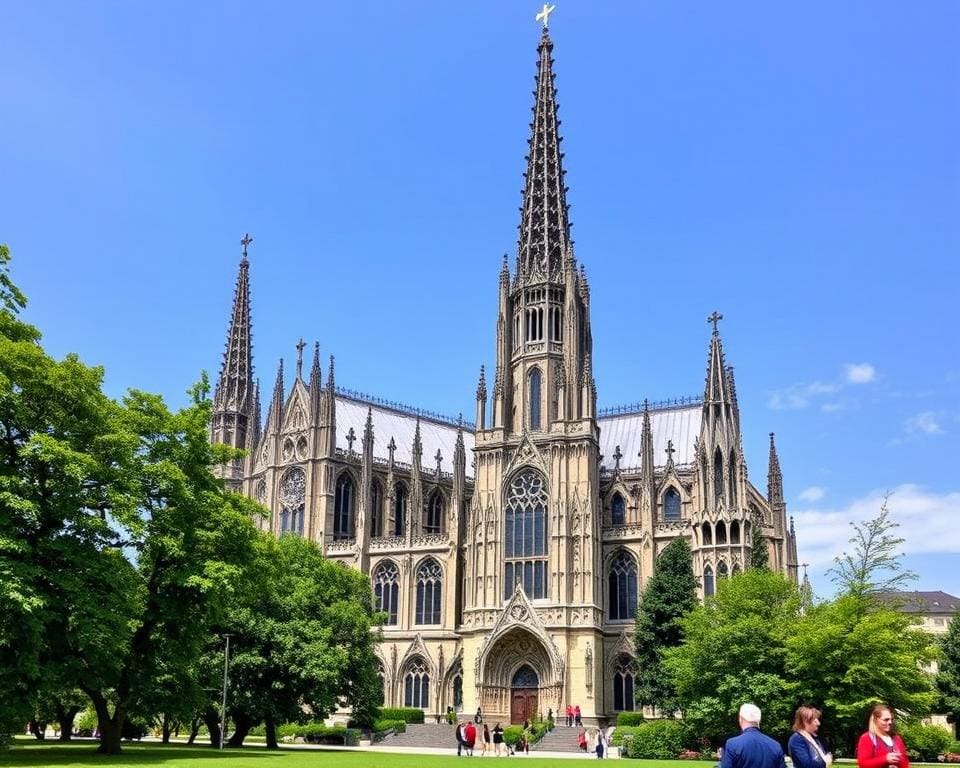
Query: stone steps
x=560, y=739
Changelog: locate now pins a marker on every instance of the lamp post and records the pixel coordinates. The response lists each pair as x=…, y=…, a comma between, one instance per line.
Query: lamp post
x=223, y=708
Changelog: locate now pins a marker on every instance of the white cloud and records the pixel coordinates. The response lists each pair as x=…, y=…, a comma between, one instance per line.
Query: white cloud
x=860, y=373
x=813, y=493
x=927, y=523
x=925, y=423
x=801, y=395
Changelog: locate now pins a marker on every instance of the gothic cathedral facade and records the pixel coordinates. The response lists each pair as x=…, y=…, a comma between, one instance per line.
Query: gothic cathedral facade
x=506, y=555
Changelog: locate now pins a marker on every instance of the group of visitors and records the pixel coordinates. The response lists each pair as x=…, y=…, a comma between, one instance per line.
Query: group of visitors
x=593, y=740
x=879, y=747
x=477, y=736
x=573, y=716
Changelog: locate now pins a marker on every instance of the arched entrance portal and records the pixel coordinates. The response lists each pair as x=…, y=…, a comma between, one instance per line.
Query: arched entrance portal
x=524, y=694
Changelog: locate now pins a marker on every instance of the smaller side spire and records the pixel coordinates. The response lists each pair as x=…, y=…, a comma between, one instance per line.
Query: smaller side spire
x=774, y=476
x=276, y=403
x=316, y=383
x=331, y=384
x=482, y=399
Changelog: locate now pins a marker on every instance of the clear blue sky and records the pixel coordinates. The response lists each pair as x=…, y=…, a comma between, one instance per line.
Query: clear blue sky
x=795, y=166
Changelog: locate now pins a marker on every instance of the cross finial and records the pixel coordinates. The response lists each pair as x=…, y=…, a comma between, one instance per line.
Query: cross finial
x=544, y=14
x=245, y=242
x=300, y=345
x=670, y=450
x=616, y=457
x=351, y=438
x=439, y=460
x=715, y=318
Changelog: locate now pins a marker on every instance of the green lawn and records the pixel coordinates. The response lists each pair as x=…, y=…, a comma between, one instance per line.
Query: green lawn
x=54, y=755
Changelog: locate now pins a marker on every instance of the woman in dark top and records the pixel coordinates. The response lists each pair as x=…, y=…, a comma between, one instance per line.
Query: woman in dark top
x=805, y=748
x=497, y=739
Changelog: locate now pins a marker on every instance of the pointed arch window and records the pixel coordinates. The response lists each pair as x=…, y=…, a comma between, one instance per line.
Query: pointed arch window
x=733, y=481
x=525, y=535
x=292, y=497
x=624, y=677
x=618, y=510
x=706, y=534
x=535, y=389
x=721, y=532
x=382, y=678
x=429, y=588
x=458, y=692
x=399, y=509
x=708, y=587
x=671, y=505
x=722, y=571
x=623, y=587
x=416, y=685
x=433, y=521
x=386, y=590
x=734, y=532
x=343, y=515
x=717, y=477
x=376, y=511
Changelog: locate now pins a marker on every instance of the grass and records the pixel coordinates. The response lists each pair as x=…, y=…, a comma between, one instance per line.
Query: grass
x=81, y=754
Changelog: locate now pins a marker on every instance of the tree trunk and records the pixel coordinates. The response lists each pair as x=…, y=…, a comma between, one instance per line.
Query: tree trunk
x=39, y=729
x=166, y=726
x=194, y=729
x=111, y=728
x=212, y=718
x=66, y=716
x=242, y=723
x=271, y=730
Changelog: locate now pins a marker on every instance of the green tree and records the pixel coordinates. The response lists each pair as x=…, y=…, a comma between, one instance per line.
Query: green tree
x=734, y=651
x=759, y=554
x=847, y=654
x=670, y=594
x=874, y=566
x=305, y=639
x=948, y=675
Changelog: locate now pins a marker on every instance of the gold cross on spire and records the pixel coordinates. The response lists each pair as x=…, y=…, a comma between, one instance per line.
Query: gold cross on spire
x=544, y=14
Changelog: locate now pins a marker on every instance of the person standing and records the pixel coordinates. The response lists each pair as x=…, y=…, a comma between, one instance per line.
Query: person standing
x=486, y=739
x=805, y=748
x=576, y=716
x=751, y=749
x=569, y=715
x=881, y=745
x=601, y=744
x=459, y=731
x=469, y=738
x=497, y=739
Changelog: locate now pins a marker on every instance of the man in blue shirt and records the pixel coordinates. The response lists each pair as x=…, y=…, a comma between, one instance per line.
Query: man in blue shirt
x=751, y=749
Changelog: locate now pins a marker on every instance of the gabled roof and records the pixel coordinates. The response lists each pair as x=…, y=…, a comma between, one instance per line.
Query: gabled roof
x=679, y=424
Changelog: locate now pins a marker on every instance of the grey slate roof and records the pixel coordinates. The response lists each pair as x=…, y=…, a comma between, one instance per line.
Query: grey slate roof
x=925, y=602
x=679, y=424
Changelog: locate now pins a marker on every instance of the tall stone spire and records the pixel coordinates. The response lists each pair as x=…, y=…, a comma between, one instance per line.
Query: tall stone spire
x=545, y=223
x=234, y=391
x=775, y=490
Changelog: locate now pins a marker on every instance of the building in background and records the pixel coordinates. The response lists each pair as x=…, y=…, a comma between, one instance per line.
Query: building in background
x=507, y=554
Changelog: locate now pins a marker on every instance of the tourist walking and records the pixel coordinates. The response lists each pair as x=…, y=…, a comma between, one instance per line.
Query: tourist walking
x=601, y=744
x=576, y=716
x=497, y=739
x=582, y=740
x=751, y=749
x=881, y=745
x=569, y=715
x=805, y=748
x=486, y=739
x=459, y=732
x=469, y=738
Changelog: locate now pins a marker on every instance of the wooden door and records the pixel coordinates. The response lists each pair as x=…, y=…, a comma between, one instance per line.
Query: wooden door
x=523, y=704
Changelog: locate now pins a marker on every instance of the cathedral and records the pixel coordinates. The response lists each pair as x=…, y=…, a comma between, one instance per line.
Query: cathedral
x=506, y=555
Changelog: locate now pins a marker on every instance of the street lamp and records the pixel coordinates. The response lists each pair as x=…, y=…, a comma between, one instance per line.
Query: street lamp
x=223, y=708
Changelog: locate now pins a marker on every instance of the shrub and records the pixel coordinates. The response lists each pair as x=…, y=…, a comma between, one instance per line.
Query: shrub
x=659, y=740
x=511, y=734
x=630, y=718
x=925, y=742
x=383, y=725
x=407, y=714
x=318, y=733
x=623, y=733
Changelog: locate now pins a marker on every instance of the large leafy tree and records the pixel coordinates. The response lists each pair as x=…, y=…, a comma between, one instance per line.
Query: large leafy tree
x=303, y=640
x=948, y=675
x=670, y=594
x=734, y=651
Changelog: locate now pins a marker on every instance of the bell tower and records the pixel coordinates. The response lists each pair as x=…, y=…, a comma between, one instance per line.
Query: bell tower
x=532, y=583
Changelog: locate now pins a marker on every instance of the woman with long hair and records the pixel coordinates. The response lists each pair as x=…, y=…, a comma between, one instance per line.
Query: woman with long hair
x=881, y=745
x=805, y=748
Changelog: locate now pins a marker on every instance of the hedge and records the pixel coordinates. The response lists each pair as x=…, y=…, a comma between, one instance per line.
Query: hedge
x=659, y=740
x=925, y=742
x=630, y=718
x=407, y=714
x=318, y=733
x=383, y=725
x=624, y=733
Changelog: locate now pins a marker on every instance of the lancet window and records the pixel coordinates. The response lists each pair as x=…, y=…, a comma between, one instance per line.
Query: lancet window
x=416, y=685
x=623, y=587
x=722, y=571
x=433, y=521
x=399, y=509
x=706, y=533
x=525, y=535
x=734, y=532
x=721, y=532
x=624, y=676
x=292, y=496
x=343, y=513
x=386, y=589
x=717, y=477
x=536, y=382
x=618, y=510
x=671, y=505
x=708, y=588
x=429, y=592
x=376, y=511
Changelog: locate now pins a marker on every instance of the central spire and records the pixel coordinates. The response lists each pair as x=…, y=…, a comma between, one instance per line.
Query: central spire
x=545, y=224
x=235, y=384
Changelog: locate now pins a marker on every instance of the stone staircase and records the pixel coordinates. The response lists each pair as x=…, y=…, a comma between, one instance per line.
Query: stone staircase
x=560, y=739
x=441, y=736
